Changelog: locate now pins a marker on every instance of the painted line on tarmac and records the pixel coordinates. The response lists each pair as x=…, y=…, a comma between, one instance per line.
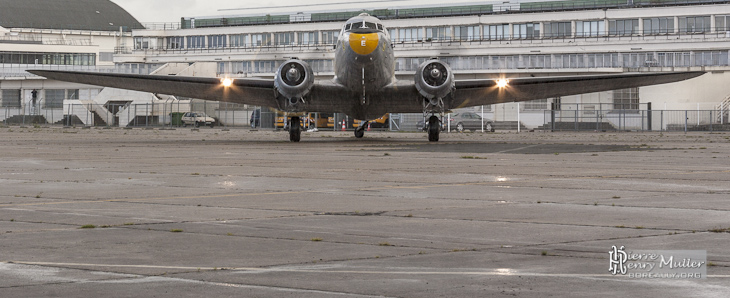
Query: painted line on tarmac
x=516, y=149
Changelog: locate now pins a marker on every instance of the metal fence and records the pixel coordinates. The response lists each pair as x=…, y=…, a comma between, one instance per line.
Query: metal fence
x=168, y=114
x=636, y=120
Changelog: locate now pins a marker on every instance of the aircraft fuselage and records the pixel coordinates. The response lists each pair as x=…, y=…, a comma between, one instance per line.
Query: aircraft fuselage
x=364, y=60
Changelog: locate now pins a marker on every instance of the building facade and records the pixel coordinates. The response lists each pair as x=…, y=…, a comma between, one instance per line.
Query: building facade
x=546, y=38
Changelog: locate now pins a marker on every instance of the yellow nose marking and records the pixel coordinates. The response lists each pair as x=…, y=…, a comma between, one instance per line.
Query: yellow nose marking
x=364, y=44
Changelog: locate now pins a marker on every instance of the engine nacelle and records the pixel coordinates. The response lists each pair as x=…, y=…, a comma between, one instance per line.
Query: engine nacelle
x=293, y=80
x=434, y=79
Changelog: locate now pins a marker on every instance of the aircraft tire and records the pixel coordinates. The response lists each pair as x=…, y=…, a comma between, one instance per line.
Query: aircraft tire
x=433, y=129
x=295, y=129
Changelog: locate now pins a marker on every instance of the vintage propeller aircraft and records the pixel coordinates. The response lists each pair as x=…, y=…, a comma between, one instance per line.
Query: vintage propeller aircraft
x=365, y=86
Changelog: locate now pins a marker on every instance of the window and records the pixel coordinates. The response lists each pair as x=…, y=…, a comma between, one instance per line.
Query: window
x=438, y=33
x=557, y=30
x=48, y=58
x=655, y=26
x=262, y=39
x=526, y=31
x=722, y=23
x=496, y=32
x=590, y=28
x=711, y=58
x=602, y=60
x=11, y=98
x=466, y=32
x=321, y=65
x=175, y=42
x=72, y=93
x=216, y=41
x=626, y=99
x=308, y=37
x=538, y=61
x=54, y=98
x=241, y=67
x=537, y=104
x=410, y=34
x=626, y=27
x=698, y=24
x=284, y=38
x=266, y=66
x=330, y=37
x=196, y=42
x=141, y=43
x=239, y=40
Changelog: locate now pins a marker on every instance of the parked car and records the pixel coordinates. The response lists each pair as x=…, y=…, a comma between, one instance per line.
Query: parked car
x=467, y=120
x=196, y=119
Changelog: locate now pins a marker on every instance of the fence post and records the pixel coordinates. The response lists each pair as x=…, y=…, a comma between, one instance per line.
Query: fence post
x=518, y=118
x=661, y=121
x=552, y=117
x=482, y=118
x=648, y=116
x=686, y=118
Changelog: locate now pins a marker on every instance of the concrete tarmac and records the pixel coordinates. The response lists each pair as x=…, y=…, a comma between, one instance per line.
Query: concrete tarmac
x=215, y=213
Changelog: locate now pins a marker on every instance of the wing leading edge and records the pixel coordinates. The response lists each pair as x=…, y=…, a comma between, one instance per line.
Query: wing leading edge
x=245, y=90
x=484, y=92
x=260, y=92
x=401, y=97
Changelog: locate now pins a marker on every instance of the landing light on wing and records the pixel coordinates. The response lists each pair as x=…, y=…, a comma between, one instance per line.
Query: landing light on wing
x=226, y=82
x=501, y=83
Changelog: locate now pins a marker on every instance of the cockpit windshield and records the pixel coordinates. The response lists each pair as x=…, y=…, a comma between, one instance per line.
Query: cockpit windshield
x=364, y=26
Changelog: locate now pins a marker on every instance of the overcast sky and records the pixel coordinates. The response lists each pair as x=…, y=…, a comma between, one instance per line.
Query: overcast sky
x=162, y=11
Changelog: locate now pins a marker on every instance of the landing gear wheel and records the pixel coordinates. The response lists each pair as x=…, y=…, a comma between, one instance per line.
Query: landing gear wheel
x=434, y=127
x=360, y=131
x=460, y=127
x=295, y=129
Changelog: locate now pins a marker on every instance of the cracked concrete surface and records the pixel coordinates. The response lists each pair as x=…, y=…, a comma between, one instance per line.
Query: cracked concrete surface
x=182, y=213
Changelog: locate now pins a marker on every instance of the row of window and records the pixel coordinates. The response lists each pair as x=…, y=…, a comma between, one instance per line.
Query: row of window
x=236, y=40
x=555, y=61
x=52, y=98
x=270, y=66
x=581, y=28
x=87, y=59
x=623, y=99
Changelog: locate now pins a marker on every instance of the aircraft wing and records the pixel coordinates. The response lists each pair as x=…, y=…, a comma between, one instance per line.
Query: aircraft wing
x=325, y=95
x=484, y=92
x=242, y=90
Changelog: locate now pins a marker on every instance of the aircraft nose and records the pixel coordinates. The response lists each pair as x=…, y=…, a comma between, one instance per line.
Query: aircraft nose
x=364, y=44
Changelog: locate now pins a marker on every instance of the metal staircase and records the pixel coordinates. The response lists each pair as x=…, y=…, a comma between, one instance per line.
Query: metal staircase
x=723, y=107
x=100, y=112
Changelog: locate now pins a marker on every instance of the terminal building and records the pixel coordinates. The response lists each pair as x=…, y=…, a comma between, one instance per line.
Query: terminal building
x=478, y=40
